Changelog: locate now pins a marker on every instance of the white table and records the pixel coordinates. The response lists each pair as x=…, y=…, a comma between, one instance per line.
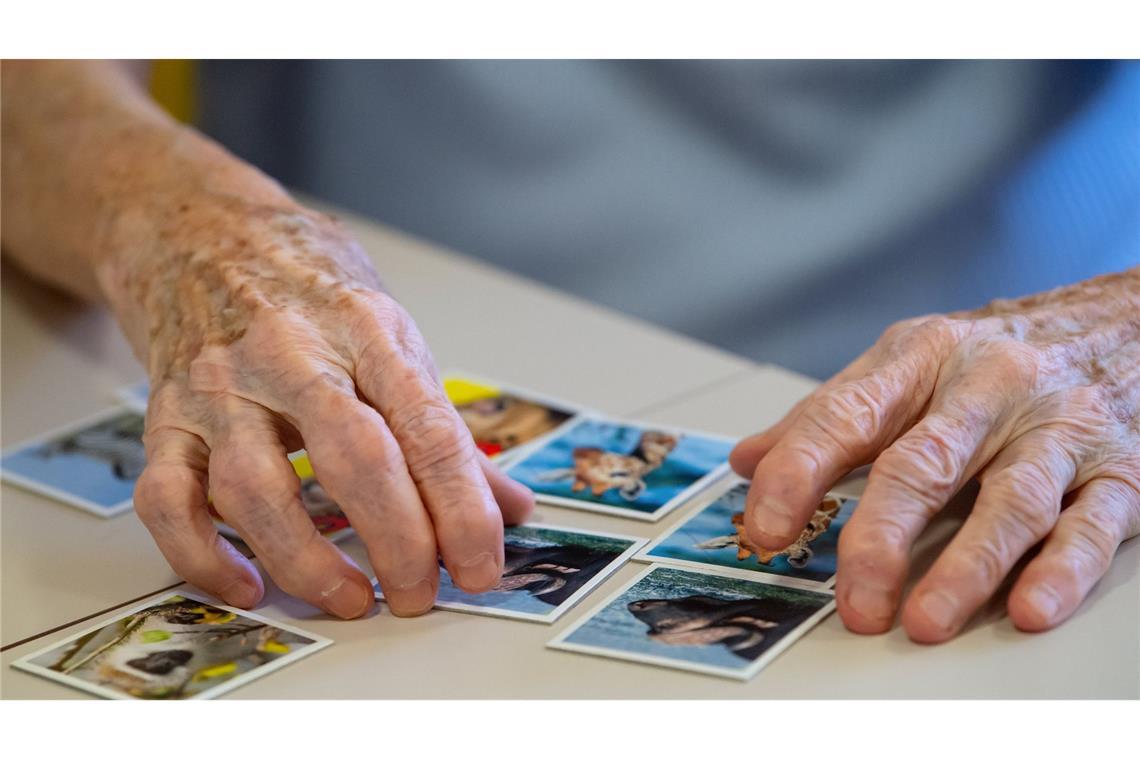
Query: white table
x=60, y=565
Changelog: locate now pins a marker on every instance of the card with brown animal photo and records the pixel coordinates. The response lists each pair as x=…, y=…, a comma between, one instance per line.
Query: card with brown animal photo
x=713, y=536
x=502, y=418
x=621, y=468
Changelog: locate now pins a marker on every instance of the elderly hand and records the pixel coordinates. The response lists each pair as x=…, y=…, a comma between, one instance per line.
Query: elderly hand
x=1039, y=398
x=264, y=328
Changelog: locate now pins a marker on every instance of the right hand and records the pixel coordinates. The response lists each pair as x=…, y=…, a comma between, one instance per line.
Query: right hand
x=264, y=328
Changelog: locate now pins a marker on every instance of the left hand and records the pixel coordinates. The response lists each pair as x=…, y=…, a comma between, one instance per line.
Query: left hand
x=1038, y=397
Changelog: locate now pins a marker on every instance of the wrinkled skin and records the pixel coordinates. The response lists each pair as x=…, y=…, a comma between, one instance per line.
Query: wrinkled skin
x=263, y=326
x=266, y=329
x=1038, y=398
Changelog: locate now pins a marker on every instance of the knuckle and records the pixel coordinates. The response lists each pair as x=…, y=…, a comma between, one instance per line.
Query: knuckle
x=937, y=332
x=849, y=418
x=1095, y=536
x=433, y=439
x=152, y=497
x=988, y=561
x=872, y=537
x=386, y=335
x=1028, y=498
x=1015, y=365
x=926, y=465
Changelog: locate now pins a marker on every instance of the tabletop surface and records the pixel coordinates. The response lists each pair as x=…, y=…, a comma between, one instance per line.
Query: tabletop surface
x=64, y=570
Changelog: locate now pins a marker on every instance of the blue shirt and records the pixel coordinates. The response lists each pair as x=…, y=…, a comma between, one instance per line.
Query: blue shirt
x=787, y=211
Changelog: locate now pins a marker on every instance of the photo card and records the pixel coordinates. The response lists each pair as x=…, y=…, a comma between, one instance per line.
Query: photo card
x=621, y=468
x=92, y=464
x=502, y=418
x=704, y=622
x=712, y=536
x=547, y=570
x=175, y=646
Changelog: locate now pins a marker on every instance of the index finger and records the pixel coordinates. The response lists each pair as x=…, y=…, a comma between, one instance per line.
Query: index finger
x=836, y=432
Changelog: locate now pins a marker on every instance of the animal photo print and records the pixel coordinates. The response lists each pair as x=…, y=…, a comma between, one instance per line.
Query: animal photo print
x=714, y=536
x=501, y=420
x=93, y=466
x=546, y=571
x=698, y=621
x=176, y=648
x=620, y=467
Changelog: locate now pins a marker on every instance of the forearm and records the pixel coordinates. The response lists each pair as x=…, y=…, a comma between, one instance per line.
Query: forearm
x=94, y=172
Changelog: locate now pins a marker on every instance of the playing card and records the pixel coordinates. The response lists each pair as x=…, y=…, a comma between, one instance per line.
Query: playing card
x=699, y=621
x=326, y=515
x=621, y=468
x=713, y=536
x=502, y=418
x=172, y=647
x=92, y=464
x=547, y=570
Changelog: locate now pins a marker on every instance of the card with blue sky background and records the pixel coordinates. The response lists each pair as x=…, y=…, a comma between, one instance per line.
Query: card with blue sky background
x=712, y=536
x=92, y=464
x=704, y=622
x=547, y=570
x=622, y=468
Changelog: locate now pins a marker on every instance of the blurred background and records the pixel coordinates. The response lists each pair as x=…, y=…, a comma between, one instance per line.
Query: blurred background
x=784, y=210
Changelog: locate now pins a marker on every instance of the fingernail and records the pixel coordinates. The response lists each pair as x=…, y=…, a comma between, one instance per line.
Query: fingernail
x=775, y=520
x=411, y=599
x=480, y=572
x=1045, y=599
x=239, y=593
x=940, y=608
x=870, y=602
x=346, y=600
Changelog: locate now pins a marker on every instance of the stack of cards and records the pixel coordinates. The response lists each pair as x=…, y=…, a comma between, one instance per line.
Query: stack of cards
x=710, y=601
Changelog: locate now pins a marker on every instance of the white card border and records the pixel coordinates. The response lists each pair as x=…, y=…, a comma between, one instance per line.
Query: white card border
x=554, y=614
x=700, y=504
x=588, y=506
x=58, y=494
x=743, y=674
x=25, y=665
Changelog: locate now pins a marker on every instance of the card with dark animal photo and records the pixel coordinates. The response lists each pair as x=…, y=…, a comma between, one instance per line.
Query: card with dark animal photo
x=502, y=418
x=621, y=468
x=705, y=622
x=713, y=536
x=92, y=464
x=173, y=647
x=547, y=570
x=325, y=513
